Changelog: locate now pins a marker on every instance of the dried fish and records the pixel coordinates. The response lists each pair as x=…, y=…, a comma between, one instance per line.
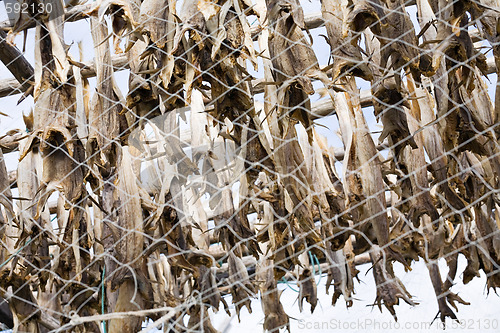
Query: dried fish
x=340, y=272
x=122, y=14
x=5, y=194
x=391, y=24
x=200, y=320
x=137, y=193
x=389, y=99
x=129, y=242
x=307, y=289
x=488, y=23
x=363, y=174
x=104, y=128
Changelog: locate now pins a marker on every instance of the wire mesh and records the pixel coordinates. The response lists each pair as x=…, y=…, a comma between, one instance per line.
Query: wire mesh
x=186, y=155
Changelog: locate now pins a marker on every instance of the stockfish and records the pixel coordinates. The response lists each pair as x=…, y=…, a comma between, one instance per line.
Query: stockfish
x=444, y=297
x=363, y=179
x=129, y=241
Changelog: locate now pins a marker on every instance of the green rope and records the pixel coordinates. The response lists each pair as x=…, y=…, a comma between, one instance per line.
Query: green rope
x=29, y=240
x=102, y=298
x=312, y=262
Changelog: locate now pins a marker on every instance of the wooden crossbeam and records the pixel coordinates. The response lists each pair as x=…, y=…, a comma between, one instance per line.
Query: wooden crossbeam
x=319, y=109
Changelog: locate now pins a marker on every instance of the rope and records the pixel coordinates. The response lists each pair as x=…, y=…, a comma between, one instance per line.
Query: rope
x=319, y=268
x=285, y=281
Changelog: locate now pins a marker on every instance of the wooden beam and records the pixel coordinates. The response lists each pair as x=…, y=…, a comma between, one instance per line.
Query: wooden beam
x=73, y=14
x=324, y=107
x=250, y=262
x=312, y=21
x=16, y=63
x=12, y=86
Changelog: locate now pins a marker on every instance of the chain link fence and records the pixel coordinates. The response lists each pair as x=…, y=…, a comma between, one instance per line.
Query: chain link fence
x=188, y=157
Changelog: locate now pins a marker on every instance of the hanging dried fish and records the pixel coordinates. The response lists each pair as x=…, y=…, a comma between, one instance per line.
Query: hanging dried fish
x=391, y=24
x=434, y=146
x=389, y=99
x=155, y=84
x=443, y=296
x=208, y=286
x=62, y=153
x=275, y=316
x=122, y=17
x=199, y=320
x=363, y=174
x=489, y=25
x=5, y=192
x=23, y=305
x=104, y=128
x=297, y=183
x=145, y=242
x=307, y=289
x=129, y=242
x=328, y=193
x=342, y=275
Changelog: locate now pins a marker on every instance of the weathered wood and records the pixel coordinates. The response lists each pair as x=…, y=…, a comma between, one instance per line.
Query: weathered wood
x=251, y=262
x=73, y=14
x=10, y=142
x=319, y=109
